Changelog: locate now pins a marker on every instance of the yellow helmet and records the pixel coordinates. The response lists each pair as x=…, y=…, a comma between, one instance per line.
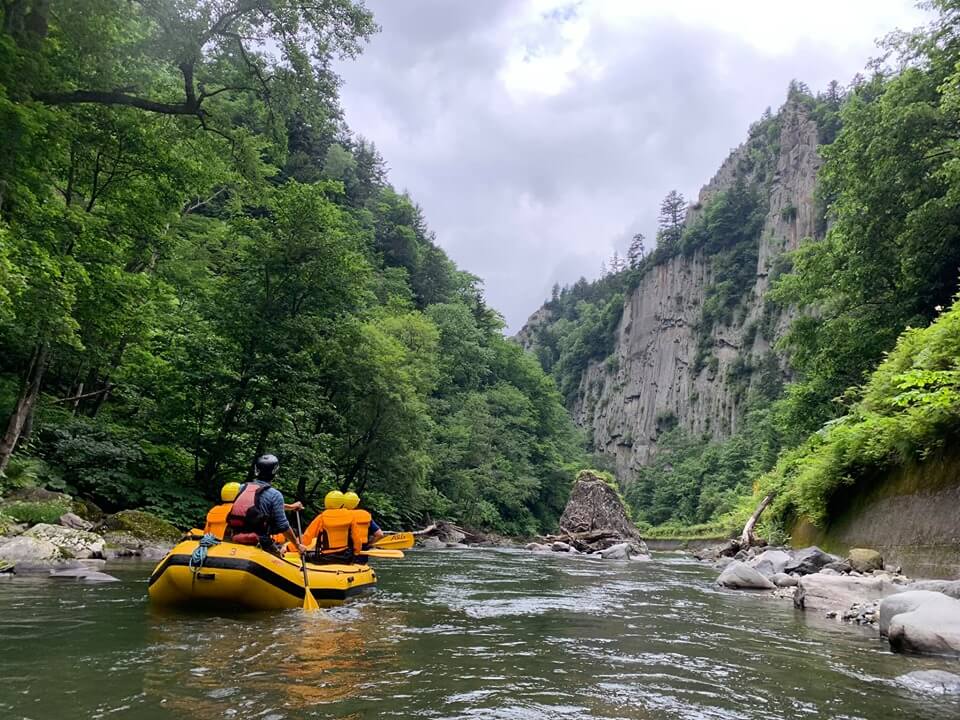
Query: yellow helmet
x=351, y=500
x=333, y=500
x=228, y=493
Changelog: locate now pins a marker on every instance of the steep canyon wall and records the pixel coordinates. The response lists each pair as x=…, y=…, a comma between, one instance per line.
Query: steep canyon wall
x=668, y=367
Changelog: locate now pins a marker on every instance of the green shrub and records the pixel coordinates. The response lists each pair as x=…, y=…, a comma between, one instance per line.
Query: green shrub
x=33, y=512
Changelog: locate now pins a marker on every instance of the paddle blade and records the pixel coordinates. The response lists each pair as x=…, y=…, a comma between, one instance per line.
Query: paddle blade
x=381, y=553
x=397, y=541
x=309, y=601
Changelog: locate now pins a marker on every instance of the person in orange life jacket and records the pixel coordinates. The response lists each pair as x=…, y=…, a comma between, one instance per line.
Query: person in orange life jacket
x=217, y=517
x=332, y=529
x=367, y=530
x=258, y=511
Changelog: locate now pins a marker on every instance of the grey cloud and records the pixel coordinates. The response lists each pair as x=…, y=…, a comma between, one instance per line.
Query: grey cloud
x=528, y=194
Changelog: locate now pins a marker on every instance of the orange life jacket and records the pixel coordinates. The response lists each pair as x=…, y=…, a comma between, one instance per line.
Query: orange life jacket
x=313, y=531
x=335, y=530
x=361, y=529
x=217, y=520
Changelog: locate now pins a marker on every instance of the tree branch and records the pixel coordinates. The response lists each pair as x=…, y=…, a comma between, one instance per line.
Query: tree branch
x=107, y=97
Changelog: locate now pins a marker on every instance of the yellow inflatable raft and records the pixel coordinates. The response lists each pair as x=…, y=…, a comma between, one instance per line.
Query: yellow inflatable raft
x=242, y=576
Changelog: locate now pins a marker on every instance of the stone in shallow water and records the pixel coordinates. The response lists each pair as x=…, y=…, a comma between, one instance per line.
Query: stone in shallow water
x=770, y=562
x=70, y=543
x=947, y=587
x=932, y=682
x=783, y=580
x=828, y=591
x=809, y=560
x=84, y=574
x=922, y=622
x=739, y=575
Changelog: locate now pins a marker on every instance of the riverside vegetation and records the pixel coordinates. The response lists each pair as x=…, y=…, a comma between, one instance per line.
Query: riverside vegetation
x=200, y=262
x=862, y=373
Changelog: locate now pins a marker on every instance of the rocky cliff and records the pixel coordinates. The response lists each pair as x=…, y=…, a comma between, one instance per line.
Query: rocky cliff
x=671, y=365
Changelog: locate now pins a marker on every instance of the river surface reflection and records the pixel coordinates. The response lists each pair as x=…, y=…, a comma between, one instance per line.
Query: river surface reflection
x=471, y=634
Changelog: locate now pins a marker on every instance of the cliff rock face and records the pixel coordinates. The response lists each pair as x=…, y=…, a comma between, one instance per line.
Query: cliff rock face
x=657, y=376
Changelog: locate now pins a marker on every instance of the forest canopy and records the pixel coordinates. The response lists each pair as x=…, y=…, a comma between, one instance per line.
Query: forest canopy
x=200, y=262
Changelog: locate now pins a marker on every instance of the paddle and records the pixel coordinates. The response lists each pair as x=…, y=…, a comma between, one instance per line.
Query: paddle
x=377, y=552
x=397, y=541
x=309, y=601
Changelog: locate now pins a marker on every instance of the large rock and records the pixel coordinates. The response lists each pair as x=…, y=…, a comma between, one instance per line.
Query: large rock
x=620, y=551
x=85, y=574
x=931, y=682
x=809, y=560
x=783, y=580
x=901, y=603
x=770, y=562
x=120, y=545
x=70, y=543
x=143, y=525
x=72, y=520
x=836, y=593
x=864, y=560
x=25, y=549
x=741, y=576
x=947, y=587
x=595, y=508
x=926, y=623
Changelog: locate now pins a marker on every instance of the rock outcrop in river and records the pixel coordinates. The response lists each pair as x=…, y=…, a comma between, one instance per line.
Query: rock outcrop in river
x=595, y=521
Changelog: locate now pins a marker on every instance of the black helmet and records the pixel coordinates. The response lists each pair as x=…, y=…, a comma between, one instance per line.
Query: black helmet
x=265, y=468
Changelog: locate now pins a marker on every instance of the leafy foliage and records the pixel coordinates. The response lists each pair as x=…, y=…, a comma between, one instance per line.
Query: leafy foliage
x=206, y=265
x=910, y=407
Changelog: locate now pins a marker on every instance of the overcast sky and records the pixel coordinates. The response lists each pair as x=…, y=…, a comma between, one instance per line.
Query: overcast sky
x=540, y=135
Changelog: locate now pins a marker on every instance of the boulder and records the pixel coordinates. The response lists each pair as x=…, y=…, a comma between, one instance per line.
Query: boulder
x=431, y=543
x=560, y=546
x=901, y=603
x=70, y=543
x=865, y=560
x=85, y=574
x=75, y=522
x=122, y=545
x=87, y=510
x=143, y=525
x=784, y=580
x=536, y=547
x=25, y=550
x=836, y=593
x=620, y=551
x=931, y=682
x=722, y=562
x=809, y=560
x=930, y=627
x=841, y=567
x=770, y=562
x=741, y=576
x=947, y=587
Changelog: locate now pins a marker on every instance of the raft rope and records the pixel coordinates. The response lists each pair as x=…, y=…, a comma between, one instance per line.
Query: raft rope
x=199, y=556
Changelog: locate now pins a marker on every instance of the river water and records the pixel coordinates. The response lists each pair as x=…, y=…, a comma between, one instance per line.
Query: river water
x=471, y=634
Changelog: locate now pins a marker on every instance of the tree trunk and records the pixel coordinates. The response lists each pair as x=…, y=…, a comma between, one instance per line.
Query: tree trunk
x=23, y=410
x=747, y=537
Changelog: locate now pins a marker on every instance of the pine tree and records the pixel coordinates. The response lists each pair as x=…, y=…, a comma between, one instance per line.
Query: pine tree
x=672, y=212
x=636, y=251
x=603, y=269
x=616, y=263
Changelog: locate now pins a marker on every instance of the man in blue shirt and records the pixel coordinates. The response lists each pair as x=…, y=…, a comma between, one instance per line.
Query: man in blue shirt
x=258, y=511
